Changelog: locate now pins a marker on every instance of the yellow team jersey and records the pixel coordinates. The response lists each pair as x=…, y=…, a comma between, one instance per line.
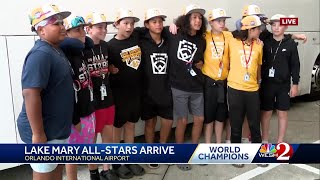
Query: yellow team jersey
x=217, y=51
x=240, y=77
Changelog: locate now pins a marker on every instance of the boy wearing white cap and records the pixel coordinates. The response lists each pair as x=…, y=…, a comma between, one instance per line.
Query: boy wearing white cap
x=280, y=66
x=47, y=110
x=97, y=61
x=186, y=60
x=157, y=98
x=216, y=69
x=126, y=80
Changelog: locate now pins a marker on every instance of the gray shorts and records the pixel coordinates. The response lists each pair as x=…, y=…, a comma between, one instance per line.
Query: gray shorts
x=187, y=102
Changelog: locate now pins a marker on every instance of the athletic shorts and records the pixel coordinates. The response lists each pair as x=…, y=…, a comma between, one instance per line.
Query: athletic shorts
x=104, y=117
x=151, y=109
x=46, y=168
x=213, y=109
x=127, y=106
x=275, y=96
x=187, y=102
x=87, y=133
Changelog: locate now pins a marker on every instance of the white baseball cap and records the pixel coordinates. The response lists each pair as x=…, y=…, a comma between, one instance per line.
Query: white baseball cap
x=193, y=8
x=251, y=10
x=125, y=13
x=46, y=11
x=276, y=17
x=217, y=13
x=154, y=12
x=96, y=18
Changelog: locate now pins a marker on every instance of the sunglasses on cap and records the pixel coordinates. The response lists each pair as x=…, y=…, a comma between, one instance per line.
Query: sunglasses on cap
x=77, y=21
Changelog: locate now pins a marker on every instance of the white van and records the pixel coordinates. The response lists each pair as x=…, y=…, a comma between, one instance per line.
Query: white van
x=16, y=40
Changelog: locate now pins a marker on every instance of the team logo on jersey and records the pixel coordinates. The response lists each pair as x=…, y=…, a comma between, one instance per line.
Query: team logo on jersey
x=132, y=56
x=159, y=63
x=246, y=57
x=220, y=48
x=186, y=51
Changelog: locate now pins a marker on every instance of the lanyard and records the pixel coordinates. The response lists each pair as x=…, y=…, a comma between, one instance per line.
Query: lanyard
x=215, y=47
x=275, y=53
x=101, y=72
x=245, y=56
x=87, y=71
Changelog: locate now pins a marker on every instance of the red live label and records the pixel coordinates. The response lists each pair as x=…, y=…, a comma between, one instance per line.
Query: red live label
x=289, y=21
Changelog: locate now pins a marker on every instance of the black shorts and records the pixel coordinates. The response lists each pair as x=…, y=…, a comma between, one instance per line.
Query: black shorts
x=151, y=109
x=275, y=96
x=213, y=109
x=128, y=107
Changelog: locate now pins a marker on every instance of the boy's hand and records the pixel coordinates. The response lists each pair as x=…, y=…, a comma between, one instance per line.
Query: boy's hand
x=39, y=138
x=78, y=127
x=260, y=42
x=173, y=29
x=294, y=91
x=302, y=37
x=113, y=69
x=199, y=64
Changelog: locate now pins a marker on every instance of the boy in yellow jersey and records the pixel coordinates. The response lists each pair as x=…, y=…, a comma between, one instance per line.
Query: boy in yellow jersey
x=216, y=69
x=243, y=80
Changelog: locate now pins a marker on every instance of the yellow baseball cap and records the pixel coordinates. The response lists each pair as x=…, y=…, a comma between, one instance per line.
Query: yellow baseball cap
x=250, y=22
x=154, y=12
x=96, y=18
x=251, y=10
x=41, y=13
x=276, y=17
x=217, y=13
x=193, y=8
x=125, y=13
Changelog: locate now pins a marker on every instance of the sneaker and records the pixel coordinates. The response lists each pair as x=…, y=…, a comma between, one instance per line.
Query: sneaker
x=109, y=175
x=153, y=166
x=238, y=165
x=263, y=165
x=94, y=175
x=245, y=140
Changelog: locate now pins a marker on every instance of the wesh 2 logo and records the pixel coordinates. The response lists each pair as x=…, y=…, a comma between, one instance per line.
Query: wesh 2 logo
x=282, y=151
x=289, y=21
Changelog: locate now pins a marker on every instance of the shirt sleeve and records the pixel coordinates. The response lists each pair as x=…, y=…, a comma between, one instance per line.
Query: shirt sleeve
x=36, y=70
x=295, y=64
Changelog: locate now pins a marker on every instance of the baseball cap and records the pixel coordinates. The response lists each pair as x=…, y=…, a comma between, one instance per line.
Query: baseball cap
x=251, y=10
x=74, y=21
x=250, y=22
x=217, y=13
x=41, y=13
x=193, y=8
x=125, y=13
x=96, y=18
x=276, y=17
x=154, y=12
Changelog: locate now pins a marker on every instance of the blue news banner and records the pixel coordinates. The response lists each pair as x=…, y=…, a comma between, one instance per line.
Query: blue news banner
x=160, y=153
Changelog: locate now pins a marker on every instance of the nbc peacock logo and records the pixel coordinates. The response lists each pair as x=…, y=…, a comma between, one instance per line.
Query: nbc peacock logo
x=268, y=150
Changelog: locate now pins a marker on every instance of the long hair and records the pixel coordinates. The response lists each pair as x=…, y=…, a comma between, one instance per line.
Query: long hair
x=183, y=23
x=241, y=35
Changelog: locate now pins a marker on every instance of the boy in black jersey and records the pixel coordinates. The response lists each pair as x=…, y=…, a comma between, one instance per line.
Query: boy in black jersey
x=280, y=67
x=157, y=99
x=97, y=61
x=125, y=59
